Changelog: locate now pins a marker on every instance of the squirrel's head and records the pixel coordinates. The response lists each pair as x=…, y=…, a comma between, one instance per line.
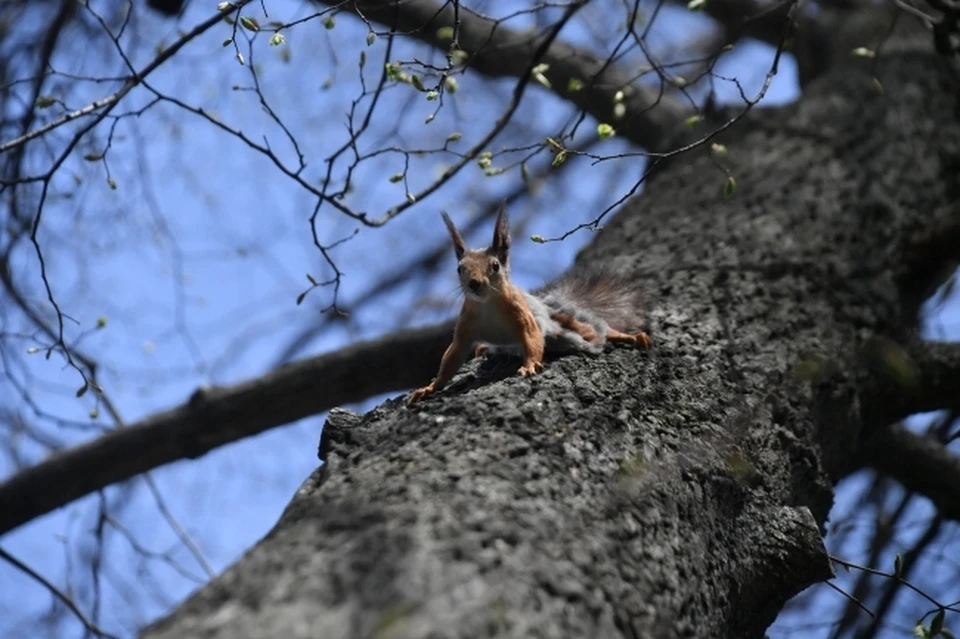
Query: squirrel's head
x=482, y=270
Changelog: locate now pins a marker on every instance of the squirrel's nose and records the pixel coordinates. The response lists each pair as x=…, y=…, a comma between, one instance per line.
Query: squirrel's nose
x=474, y=285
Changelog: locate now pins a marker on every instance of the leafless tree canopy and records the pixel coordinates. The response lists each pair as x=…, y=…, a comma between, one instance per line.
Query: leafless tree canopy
x=220, y=219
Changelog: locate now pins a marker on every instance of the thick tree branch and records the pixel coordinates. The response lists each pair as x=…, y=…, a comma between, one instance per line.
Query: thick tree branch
x=217, y=416
x=747, y=18
x=499, y=51
x=923, y=378
x=920, y=462
x=929, y=259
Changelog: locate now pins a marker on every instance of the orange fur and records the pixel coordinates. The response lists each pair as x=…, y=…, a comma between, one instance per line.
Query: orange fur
x=453, y=357
x=518, y=315
x=567, y=321
x=640, y=338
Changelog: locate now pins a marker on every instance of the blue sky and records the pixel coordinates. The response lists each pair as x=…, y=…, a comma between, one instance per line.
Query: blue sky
x=197, y=256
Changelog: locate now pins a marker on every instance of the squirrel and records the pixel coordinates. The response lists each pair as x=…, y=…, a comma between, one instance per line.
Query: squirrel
x=576, y=313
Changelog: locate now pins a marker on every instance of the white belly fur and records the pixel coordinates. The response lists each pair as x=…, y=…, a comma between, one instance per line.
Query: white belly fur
x=494, y=329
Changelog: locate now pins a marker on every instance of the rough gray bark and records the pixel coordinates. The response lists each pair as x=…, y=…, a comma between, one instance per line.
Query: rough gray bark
x=675, y=493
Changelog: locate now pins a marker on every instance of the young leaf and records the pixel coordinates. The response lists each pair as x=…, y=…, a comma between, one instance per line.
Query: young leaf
x=730, y=187
x=605, y=131
x=538, y=74
x=937, y=624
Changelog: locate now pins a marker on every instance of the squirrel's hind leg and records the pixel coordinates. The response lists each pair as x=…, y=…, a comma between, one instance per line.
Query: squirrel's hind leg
x=639, y=339
x=584, y=330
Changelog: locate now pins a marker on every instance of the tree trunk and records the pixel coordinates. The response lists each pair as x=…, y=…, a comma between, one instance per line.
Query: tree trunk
x=679, y=492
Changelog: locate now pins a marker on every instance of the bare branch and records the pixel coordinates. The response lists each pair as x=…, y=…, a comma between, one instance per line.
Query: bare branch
x=747, y=18
x=105, y=104
x=217, y=416
x=891, y=575
x=893, y=587
x=879, y=543
x=22, y=567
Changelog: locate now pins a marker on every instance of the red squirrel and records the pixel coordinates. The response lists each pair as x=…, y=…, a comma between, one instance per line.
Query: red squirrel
x=578, y=312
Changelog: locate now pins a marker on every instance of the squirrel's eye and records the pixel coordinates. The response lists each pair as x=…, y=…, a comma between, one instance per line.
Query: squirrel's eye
x=495, y=265
x=459, y=269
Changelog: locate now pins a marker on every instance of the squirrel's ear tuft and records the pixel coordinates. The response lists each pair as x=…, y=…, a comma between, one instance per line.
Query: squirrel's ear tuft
x=458, y=246
x=501, y=236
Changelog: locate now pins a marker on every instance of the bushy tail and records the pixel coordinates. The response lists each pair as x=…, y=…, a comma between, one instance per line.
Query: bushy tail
x=611, y=296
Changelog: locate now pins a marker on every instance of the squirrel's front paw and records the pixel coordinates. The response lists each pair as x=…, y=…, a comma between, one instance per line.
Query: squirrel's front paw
x=643, y=340
x=420, y=393
x=480, y=350
x=530, y=369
